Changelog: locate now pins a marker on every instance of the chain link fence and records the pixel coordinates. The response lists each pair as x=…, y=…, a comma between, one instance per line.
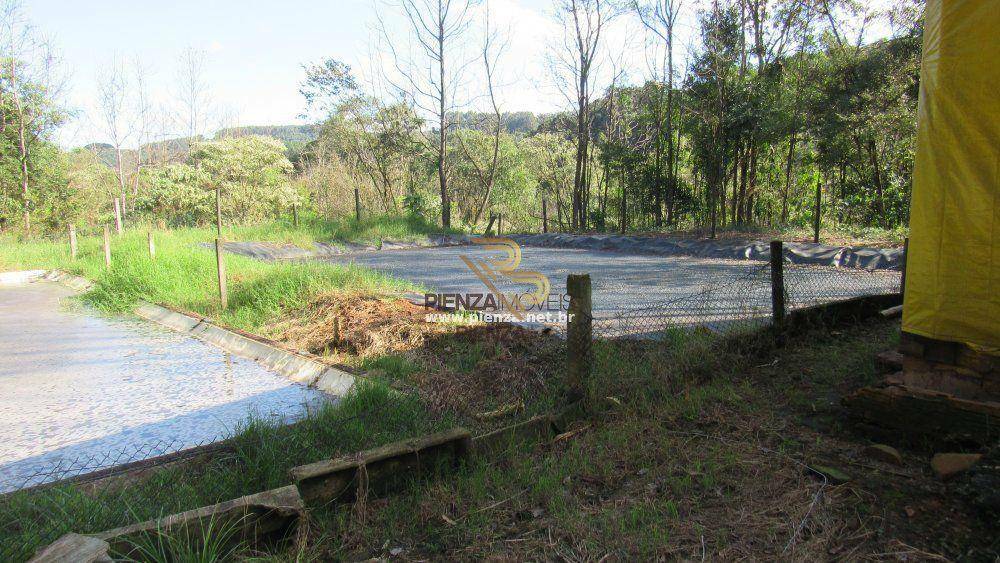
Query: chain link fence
x=38, y=505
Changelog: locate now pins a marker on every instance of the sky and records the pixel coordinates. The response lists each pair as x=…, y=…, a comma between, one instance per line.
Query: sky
x=255, y=51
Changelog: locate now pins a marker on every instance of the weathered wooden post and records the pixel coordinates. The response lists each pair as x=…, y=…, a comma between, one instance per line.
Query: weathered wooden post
x=218, y=212
x=107, y=246
x=545, y=217
x=902, y=275
x=295, y=215
x=220, y=264
x=152, y=246
x=72, y=242
x=777, y=284
x=579, y=338
x=118, y=216
x=357, y=204
x=816, y=212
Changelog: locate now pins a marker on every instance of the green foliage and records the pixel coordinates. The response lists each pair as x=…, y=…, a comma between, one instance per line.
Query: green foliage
x=251, y=172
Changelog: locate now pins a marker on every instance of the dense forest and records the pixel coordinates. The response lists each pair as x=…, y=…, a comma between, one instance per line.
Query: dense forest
x=773, y=106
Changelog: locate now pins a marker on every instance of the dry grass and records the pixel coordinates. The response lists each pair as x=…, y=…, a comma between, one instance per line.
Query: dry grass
x=467, y=369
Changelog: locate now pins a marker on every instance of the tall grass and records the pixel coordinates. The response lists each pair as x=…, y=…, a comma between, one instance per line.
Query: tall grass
x=183, y=273
x=262, y=451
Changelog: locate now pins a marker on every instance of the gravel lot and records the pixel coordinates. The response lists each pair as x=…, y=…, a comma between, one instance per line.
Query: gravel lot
x=640, y=293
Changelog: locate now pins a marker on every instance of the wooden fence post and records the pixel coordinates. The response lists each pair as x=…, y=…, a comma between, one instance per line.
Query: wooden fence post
x=295, y=215
x=777, y=283
x=152, y=246
x=218, y=212
x=118, y=216
x=816, y=212
x=902, y=275
x=72, y=242
x=220, y=264
x=579, y=338
x=357, y=204
x=107, y=246
x=545, y=217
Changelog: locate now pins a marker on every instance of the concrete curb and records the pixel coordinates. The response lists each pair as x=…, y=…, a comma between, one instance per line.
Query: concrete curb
x=296, y=367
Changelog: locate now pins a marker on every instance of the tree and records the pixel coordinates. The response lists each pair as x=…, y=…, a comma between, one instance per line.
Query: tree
x=429, y=76
x=660, y=18
x=582, y=23
x=251, y=172
x=192, y=92
x=29, y=88
x=326, y=83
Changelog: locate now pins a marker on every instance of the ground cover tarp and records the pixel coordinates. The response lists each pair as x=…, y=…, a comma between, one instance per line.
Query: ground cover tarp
x=953, y=261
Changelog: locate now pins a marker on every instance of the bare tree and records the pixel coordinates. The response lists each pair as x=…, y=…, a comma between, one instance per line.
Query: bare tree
x=29, y=85
x=119, y=125
x=574, y=59
x=192, y=92
x=429, y=77
x=660, y=18
x=493, y=48
x=143, y=121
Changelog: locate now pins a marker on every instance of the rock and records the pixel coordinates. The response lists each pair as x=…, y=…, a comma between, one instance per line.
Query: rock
x=833, y=475
x=884, y=453
x=946, y=466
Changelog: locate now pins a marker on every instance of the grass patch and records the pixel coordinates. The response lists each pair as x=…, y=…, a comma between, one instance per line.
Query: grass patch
x=262, y=453
x=183, y=274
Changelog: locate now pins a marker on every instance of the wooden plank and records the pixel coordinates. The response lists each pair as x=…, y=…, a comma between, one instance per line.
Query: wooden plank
x=331, y=479
x=74, y=548
x=250, y=518
x=533, y=430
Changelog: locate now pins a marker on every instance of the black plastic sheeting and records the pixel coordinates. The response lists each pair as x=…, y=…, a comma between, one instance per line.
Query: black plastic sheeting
x=795, y=252
x=866, y=258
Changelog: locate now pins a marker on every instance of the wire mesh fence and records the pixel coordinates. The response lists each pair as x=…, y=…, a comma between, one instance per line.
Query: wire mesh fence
x=37, y=505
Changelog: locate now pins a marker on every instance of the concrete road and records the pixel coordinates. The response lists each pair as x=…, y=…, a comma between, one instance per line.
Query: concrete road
x=81, y=391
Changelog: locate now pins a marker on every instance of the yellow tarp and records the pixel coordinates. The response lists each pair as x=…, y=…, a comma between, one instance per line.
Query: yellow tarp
x=954, y=261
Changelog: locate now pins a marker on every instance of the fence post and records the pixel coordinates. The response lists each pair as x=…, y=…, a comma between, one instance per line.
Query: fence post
x=777, y=283
x=107, y=246
x=152, y=246
x=118, y=216
x=357, y=204
x=218, y=212
x=902, y=275
x=816, y=212
x=545, y=217
x=72, y=242
x=579, y=360
x=295, y=215
x=220, y=264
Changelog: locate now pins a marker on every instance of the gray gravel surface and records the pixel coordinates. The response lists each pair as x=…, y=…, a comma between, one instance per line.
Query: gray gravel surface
x=81, y=391
x=639, y=293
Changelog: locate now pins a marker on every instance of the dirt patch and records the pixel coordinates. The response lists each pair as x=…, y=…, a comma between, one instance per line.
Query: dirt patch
x=476, y=370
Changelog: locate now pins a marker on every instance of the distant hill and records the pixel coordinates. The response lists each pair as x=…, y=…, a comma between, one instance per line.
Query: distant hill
x=289, y=134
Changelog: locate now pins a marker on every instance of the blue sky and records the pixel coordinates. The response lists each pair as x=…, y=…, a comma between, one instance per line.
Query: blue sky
x=255, y=49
